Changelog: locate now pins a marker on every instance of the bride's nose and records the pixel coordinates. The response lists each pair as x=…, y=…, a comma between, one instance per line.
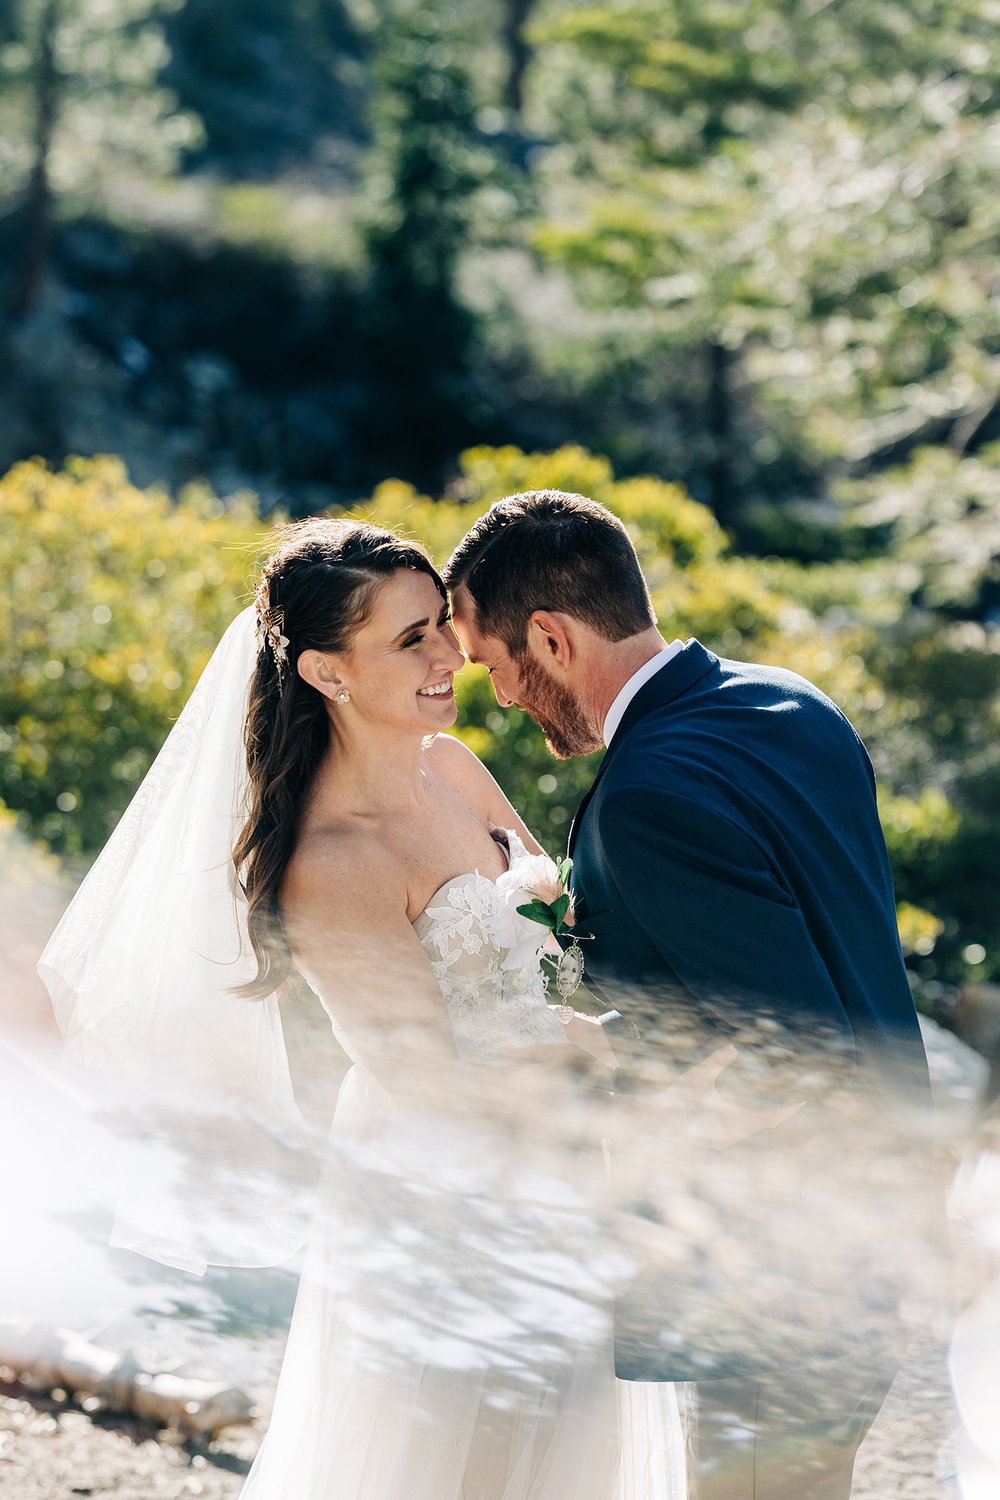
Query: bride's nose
x=451, y=656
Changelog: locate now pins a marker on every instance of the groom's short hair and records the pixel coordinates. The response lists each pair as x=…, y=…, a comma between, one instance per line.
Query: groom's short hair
x=548, y=549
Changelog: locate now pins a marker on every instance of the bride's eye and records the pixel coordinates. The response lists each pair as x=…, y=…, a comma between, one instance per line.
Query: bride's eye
x=418, y=636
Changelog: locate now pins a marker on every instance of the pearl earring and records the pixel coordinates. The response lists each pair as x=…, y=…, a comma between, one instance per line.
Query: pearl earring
x=343, y=696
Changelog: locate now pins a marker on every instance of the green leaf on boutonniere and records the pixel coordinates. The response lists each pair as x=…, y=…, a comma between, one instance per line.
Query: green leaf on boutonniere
x=564, y=869
x=559, y=909
x=537, y=911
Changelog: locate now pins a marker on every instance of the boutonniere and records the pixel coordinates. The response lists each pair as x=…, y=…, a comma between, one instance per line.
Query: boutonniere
x=551, y=905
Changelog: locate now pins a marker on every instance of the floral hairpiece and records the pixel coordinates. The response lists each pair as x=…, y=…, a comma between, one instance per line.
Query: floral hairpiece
x=271, y=627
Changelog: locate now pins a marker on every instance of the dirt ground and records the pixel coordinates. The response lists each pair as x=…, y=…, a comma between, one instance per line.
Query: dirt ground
x=51, y=1450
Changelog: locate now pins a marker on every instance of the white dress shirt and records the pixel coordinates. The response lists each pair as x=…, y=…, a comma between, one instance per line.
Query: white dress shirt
x=648, y=669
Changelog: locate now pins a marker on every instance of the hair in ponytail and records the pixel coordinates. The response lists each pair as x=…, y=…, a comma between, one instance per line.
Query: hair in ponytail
x=315, y=592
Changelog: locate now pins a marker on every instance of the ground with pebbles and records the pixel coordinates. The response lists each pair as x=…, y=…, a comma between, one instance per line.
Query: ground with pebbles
x=52, y=1451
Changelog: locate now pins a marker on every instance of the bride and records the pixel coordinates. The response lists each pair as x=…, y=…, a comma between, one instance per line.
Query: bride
x=451, y=1338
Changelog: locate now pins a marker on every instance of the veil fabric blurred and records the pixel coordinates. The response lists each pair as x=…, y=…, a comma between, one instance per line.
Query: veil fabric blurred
x=192, y=1079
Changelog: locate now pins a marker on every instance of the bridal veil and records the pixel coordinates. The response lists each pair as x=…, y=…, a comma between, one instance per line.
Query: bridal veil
x=142, y=971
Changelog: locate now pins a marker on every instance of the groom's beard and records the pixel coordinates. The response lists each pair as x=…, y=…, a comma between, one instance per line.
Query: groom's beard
x=556, y=711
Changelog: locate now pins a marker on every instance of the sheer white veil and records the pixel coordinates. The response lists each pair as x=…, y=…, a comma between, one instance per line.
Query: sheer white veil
x=141, y=971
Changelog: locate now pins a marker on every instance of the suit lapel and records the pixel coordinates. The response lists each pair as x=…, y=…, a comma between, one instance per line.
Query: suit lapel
x=680, y=674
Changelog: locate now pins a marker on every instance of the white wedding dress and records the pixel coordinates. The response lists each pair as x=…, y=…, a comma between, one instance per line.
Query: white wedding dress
x=452, y=1334
x=451, y=1339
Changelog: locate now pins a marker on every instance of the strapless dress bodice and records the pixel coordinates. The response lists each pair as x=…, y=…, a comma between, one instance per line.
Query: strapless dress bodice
x=485, y=958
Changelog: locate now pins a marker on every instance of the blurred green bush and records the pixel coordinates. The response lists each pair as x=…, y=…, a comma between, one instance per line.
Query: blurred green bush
x=113, y=600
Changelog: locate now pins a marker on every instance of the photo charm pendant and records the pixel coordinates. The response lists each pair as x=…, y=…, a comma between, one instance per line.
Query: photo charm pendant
x=569, y=971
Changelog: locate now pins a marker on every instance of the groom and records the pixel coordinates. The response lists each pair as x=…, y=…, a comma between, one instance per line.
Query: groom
x=729, y=873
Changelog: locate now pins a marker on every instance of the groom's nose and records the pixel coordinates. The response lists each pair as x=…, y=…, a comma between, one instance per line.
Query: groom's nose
x=501, y=696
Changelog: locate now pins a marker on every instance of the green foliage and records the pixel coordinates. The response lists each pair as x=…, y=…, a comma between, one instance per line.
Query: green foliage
x=944, y=863
x=116, y=596
x=23, y=865
x=918, y=930
x=423, y=170
x=538, y=911
x=111, y=115
x=942, y=514
x=810, y=191
x=270, y=80
x=113, y=600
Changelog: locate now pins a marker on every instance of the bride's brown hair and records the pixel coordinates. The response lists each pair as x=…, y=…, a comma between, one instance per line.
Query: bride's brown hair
x=319, y=587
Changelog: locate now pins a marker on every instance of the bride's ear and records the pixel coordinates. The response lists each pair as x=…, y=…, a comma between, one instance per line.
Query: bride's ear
x=320, y=671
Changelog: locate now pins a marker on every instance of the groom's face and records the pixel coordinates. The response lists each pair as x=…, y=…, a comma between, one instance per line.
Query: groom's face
x=524, y=682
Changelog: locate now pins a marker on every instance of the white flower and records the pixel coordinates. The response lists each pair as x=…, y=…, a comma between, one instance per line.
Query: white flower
x=279, y=643
x=528, y=876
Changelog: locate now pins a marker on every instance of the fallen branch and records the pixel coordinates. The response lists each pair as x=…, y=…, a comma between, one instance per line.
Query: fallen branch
x=59, y=1359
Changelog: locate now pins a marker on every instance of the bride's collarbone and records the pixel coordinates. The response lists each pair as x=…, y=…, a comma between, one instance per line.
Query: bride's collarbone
x=428, y=846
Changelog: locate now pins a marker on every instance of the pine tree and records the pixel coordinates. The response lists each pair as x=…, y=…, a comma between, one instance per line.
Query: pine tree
x=426, y=163
x=801, y=206
x=80, y=105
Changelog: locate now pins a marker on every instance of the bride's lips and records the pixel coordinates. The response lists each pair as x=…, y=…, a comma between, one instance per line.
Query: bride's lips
x=444, y=694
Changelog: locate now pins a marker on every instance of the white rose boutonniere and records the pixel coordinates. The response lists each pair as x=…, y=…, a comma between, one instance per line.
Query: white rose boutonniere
x=535, y=905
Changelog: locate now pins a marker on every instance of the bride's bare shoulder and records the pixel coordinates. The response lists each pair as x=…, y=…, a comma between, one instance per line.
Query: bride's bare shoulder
x=446, y=752
x=465, y=771
x=461, y=767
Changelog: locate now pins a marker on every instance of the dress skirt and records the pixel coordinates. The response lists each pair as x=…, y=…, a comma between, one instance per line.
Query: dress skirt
x=451, y=1338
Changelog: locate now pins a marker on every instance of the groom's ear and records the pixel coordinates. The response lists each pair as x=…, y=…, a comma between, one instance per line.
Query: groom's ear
x=551, y=637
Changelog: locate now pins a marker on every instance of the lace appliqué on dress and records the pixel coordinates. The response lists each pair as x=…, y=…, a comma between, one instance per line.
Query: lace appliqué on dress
x=491, y=1008
x=464, y=924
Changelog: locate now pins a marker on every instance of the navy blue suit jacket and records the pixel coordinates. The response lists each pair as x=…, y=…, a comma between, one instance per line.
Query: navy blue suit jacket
x=729, y=853
x=729, y=863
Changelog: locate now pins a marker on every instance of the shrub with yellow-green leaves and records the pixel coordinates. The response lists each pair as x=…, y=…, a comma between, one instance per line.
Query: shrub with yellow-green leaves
x=117, y=595
x=113, y=598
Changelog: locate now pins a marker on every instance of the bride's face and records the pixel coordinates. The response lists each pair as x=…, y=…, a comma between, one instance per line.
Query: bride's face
x=401, y=663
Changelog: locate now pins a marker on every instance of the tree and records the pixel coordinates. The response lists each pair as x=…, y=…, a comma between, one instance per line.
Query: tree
x=426, y=163
x=800, y=205
x=514, y=21
x=80, y=102
x=272, y=81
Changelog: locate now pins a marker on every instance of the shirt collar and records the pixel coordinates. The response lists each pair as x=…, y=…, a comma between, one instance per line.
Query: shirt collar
x=616, y=712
